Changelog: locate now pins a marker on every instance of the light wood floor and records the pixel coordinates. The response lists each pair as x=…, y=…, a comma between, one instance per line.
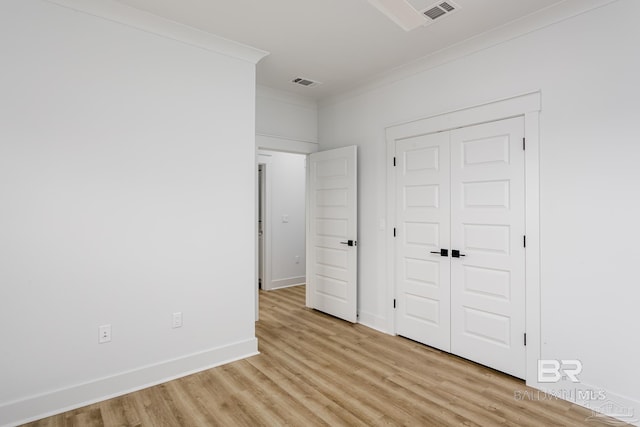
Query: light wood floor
x=316, y=370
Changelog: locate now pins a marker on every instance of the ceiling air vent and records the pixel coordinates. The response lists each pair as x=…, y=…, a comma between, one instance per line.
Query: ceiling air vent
x=304, y=82
x=440, y=9
x=411, y=14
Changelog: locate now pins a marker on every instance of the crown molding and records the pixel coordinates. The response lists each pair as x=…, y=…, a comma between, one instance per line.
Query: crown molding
x=117, y=12
x=528, y=24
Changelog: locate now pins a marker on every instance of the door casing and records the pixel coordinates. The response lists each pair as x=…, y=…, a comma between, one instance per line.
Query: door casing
x=286, y=145
x=272, y=143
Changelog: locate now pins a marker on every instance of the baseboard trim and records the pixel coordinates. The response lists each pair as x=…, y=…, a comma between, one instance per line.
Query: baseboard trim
x=372, y=321
x=601, y=402
x=69, y=398
x=286, y=283
x=604, y=403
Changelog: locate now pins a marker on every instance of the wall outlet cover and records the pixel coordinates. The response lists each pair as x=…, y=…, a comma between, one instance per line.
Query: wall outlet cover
x=104, y=334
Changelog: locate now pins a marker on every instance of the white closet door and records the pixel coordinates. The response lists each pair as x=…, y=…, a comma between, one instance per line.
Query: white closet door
x=487, y=227
x=422, y=209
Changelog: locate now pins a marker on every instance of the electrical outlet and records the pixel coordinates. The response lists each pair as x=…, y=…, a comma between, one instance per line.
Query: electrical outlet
x=297, y=259
x=104, y=332
x=177, y=319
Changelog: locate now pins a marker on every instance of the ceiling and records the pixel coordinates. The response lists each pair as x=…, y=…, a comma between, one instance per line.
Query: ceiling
x=341, y=43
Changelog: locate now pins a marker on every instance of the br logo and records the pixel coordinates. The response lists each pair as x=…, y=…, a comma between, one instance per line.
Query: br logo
x=552, y=370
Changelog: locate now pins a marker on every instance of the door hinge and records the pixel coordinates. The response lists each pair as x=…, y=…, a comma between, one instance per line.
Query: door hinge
x=524, y=143
x=524, y=241
x=525, y=339
x=394, y=161
x=394, y=303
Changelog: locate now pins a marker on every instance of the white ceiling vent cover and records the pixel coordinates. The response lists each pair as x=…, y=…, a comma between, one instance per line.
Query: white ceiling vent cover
x=410, y=14
x=440, y=9
x=301, y=81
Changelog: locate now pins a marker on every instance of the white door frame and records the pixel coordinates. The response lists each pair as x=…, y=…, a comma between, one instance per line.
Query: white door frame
x=529, y=107
x=266, y=228
x=285, y=145
x=265, y=161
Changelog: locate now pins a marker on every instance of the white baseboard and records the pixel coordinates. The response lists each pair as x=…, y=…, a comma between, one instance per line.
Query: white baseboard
x=604, y=403
x=54, y=402
x=372, y=321
x=601, y=402
x=286, y=283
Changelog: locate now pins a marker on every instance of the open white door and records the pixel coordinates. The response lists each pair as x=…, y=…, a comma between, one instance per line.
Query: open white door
x=332, y=257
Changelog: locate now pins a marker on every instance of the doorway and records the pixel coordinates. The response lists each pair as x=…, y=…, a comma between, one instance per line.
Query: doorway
x=281, y=189
x=324, y=244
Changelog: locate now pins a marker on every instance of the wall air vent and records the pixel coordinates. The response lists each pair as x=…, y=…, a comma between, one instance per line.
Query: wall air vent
x=304, y=82
x=440, y=9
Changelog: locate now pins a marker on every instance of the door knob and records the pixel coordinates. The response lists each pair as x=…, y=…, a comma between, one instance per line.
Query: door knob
x=456, y=253
x=442, y=252
x=350, y=243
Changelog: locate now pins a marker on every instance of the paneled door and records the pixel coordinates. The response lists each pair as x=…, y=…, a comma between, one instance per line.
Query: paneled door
x=460, y=256
x=332, y=269
x=487, y=228
x=422, y=268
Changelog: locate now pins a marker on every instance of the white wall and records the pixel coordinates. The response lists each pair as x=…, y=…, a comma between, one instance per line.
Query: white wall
x=286, y=121
x=286, y=178
x=127, y=188
x=587, y=70
x=286, y=115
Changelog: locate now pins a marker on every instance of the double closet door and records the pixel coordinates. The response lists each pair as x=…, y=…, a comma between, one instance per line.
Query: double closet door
x=460, y=255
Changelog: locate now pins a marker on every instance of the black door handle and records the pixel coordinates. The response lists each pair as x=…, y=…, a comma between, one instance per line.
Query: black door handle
x=442, y=252
x=350, y=243
x=456, y=253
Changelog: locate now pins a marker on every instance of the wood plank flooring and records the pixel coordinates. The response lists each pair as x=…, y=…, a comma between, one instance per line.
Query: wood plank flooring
x=315, y=370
